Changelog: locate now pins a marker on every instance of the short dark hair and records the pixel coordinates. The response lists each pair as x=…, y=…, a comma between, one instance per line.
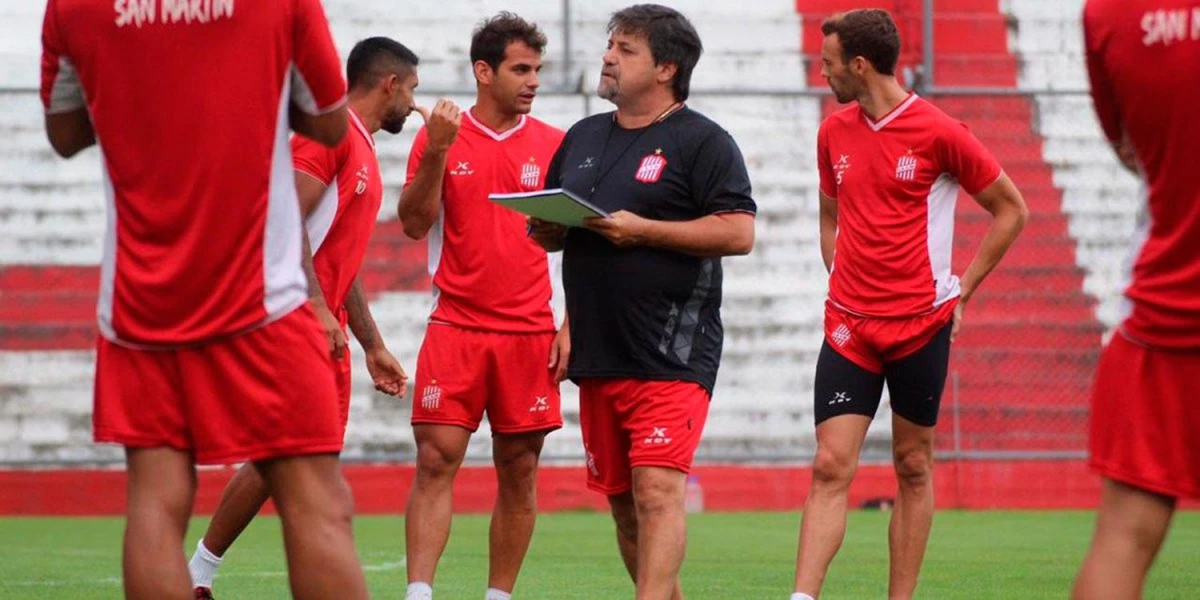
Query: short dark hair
x=376, y=57
x=867, y=32
x=491, y=38
x=672, y=39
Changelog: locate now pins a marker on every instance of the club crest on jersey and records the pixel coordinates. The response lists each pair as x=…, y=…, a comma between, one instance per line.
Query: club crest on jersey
x=906, y=167
x=361, y=187
x=652, y=167
x=531, y=174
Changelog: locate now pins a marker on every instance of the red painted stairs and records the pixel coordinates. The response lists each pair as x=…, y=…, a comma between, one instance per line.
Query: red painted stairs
x=53, y=307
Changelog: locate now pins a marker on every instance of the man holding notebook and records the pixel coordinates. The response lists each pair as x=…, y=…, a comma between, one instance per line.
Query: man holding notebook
x=491, y=343
x=643, y=285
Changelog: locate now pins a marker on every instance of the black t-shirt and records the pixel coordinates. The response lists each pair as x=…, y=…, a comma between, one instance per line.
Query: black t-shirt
x=647, y=313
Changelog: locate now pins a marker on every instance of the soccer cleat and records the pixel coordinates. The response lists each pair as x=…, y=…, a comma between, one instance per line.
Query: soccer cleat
x=203, y=593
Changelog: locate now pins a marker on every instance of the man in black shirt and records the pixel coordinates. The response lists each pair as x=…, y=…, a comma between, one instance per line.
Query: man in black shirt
x=643, y=287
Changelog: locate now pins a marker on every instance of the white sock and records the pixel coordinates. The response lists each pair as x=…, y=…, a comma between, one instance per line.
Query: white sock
x=203, y=566
x=419, y=590
x=495, y=594
x=799, y=596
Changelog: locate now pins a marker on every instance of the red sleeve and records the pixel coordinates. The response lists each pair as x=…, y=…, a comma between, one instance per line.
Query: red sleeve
x=1104, y=95
x=414, y=156
x=964, y=157
x=314, y=159
x=824, y=164
x=61, y=89
x=317, y=84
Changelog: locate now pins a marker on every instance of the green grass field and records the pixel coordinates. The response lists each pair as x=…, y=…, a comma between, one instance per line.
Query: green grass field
x=735, y=556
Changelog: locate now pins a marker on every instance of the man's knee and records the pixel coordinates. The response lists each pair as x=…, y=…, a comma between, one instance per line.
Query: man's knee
x=658, y=491
x=438, y=457
x=624, y=514
x=914, y=466
x=310, y=487
x=516, y=460
x=161, y=480
x=833, y=468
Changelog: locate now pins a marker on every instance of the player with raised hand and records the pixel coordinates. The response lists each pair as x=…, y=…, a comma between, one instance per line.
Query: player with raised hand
x=491, y=344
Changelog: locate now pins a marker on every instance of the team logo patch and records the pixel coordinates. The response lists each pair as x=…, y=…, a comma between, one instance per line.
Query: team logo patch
x=431, y=397
x=652, y=167
x=906, y=167
x=841, y=335
x=362, y=175
x=531, y=174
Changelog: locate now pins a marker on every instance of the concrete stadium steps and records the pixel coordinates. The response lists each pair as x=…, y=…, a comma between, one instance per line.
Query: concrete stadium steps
x=1100, y=198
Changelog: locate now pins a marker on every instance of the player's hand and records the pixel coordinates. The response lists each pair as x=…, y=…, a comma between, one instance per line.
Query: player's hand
x=560, y=353
x=547, y=235
x=333, y=331
x=441, y=123
x=957, y=322
x=623, y=228
x=387, y=374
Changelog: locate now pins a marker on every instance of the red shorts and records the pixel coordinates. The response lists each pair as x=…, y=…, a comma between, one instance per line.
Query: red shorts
x=1145, y=418
x=871, y=341
x=462, y=373
x=265, y=394
x=631, y=423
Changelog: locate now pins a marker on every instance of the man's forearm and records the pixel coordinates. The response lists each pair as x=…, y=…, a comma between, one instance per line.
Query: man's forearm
x=707, y=237
x=361, y=322
x=421, y=200
x=315, y=295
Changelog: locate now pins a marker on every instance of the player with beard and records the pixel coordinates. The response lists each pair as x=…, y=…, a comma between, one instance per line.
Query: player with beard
x=890, y=168
x=340, y=191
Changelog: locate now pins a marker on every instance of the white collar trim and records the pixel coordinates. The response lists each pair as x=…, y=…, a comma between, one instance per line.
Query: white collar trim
x=499, y=137
x=896, y=112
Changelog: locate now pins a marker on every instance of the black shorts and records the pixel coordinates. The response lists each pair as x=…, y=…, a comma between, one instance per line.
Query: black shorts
x=915, y=383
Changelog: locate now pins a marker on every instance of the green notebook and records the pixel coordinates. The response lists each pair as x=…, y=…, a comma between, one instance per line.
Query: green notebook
x=555, y=206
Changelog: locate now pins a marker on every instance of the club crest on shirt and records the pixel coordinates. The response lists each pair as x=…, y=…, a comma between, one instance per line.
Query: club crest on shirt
x=531, y=174
x=906, y=167
x=652, y=167
x=361, y=187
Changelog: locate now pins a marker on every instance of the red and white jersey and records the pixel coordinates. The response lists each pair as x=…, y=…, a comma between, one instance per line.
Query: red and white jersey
x=1143, y=59
x=189, y=103
x=341, y=224
x=487, y=273
x=896, y=183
